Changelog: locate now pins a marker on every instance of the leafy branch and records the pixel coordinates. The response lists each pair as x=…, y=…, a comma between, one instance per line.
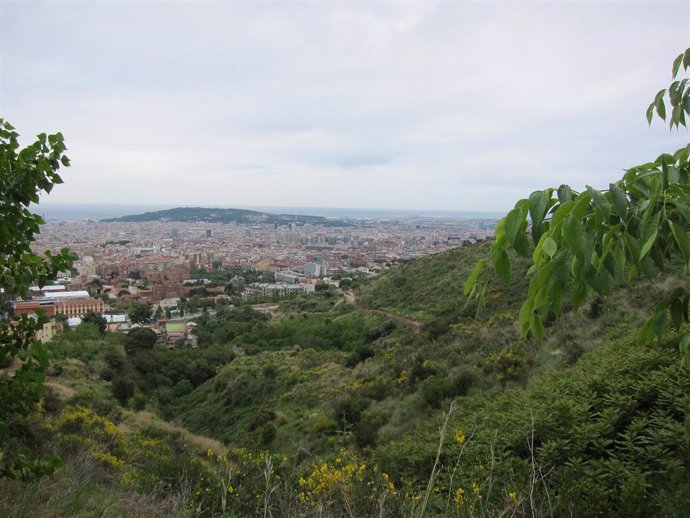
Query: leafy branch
x=584, y=241
x=24, y=174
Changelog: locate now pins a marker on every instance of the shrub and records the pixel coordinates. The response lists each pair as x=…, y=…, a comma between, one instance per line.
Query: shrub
x=437, y=389
x=182, y=388
x=506, y=366
x=114, y=356
x=123, y=389
x=140, y=338
x=139, y=401
x=358, y=355
x=348, y=410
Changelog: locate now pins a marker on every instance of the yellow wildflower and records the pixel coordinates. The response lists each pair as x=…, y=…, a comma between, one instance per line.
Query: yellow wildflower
x=459, y=497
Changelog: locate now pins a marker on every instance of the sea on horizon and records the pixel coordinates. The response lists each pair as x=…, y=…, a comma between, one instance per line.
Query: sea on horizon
x=53, y=212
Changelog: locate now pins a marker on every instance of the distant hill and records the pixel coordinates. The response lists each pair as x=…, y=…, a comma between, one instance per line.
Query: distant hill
x=211, y=215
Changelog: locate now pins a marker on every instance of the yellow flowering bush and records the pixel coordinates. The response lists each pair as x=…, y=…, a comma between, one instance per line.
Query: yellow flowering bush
x=459, y=436
x=86, y=423
x=80, y=427
x=459, y=497
x=108, y=460
x=327, y=479
x=346, y=483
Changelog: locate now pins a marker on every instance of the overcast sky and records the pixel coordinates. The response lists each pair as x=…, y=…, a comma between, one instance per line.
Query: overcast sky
x=415, y=105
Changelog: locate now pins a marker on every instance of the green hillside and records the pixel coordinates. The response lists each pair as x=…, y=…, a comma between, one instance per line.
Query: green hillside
x=432, y=287
x=322, y=398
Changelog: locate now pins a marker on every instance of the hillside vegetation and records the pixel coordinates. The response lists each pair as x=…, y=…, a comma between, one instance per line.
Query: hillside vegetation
x=324, y=408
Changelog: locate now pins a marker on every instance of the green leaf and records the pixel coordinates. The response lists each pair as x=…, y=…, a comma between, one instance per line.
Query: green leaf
x=540, y=281
x=536, y=254
x=682, y=239
x=649, y=233
x=661, y=109
x=500, y=236
x=560, y=215
x=686, y=58
x=538, y=231
x=576, y=237
x=582, y=204
x=675, y=115
x=560, y=266
x=537, y=326
x=600, y=202
x=674, y=93
x=657, y=256
x=611, y=265
x=659, y=96
x=676, y=65
x=650, y=113
x=513, y=221
x=521, y=244
x=579, y=293
x=472, y=280
x=556, y=296
x=542, y=298
x=648, y=245
x=502, y=266
x=619, y=199
x=525, y=317
x=683, y=209
x=618, y=254
x=565, y=193
x=603, y=282
x=538, y=204
x=550, y=247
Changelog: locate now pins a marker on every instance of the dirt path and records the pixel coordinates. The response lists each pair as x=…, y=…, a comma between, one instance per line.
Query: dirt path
x=268, y=309
x=62, y=390
x=50, y=382
x=412, y=325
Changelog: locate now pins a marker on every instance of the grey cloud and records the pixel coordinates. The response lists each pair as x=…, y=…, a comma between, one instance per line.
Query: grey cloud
x=457, y=105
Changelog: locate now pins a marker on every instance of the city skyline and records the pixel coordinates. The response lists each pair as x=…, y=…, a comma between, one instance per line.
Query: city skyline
x=417, y=106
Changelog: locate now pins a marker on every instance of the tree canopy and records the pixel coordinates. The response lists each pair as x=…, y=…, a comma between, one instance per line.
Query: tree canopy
x=140, y=338
x=139, y=312
x=24, y=174
x=97, y=320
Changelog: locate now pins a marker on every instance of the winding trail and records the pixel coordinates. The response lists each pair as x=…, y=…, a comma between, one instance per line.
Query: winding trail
x=412, y=325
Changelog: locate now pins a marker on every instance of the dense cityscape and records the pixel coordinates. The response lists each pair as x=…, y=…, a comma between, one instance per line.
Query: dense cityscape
x=162, y=264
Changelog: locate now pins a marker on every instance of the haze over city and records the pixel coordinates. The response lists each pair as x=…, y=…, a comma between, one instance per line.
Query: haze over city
x=423, y=105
